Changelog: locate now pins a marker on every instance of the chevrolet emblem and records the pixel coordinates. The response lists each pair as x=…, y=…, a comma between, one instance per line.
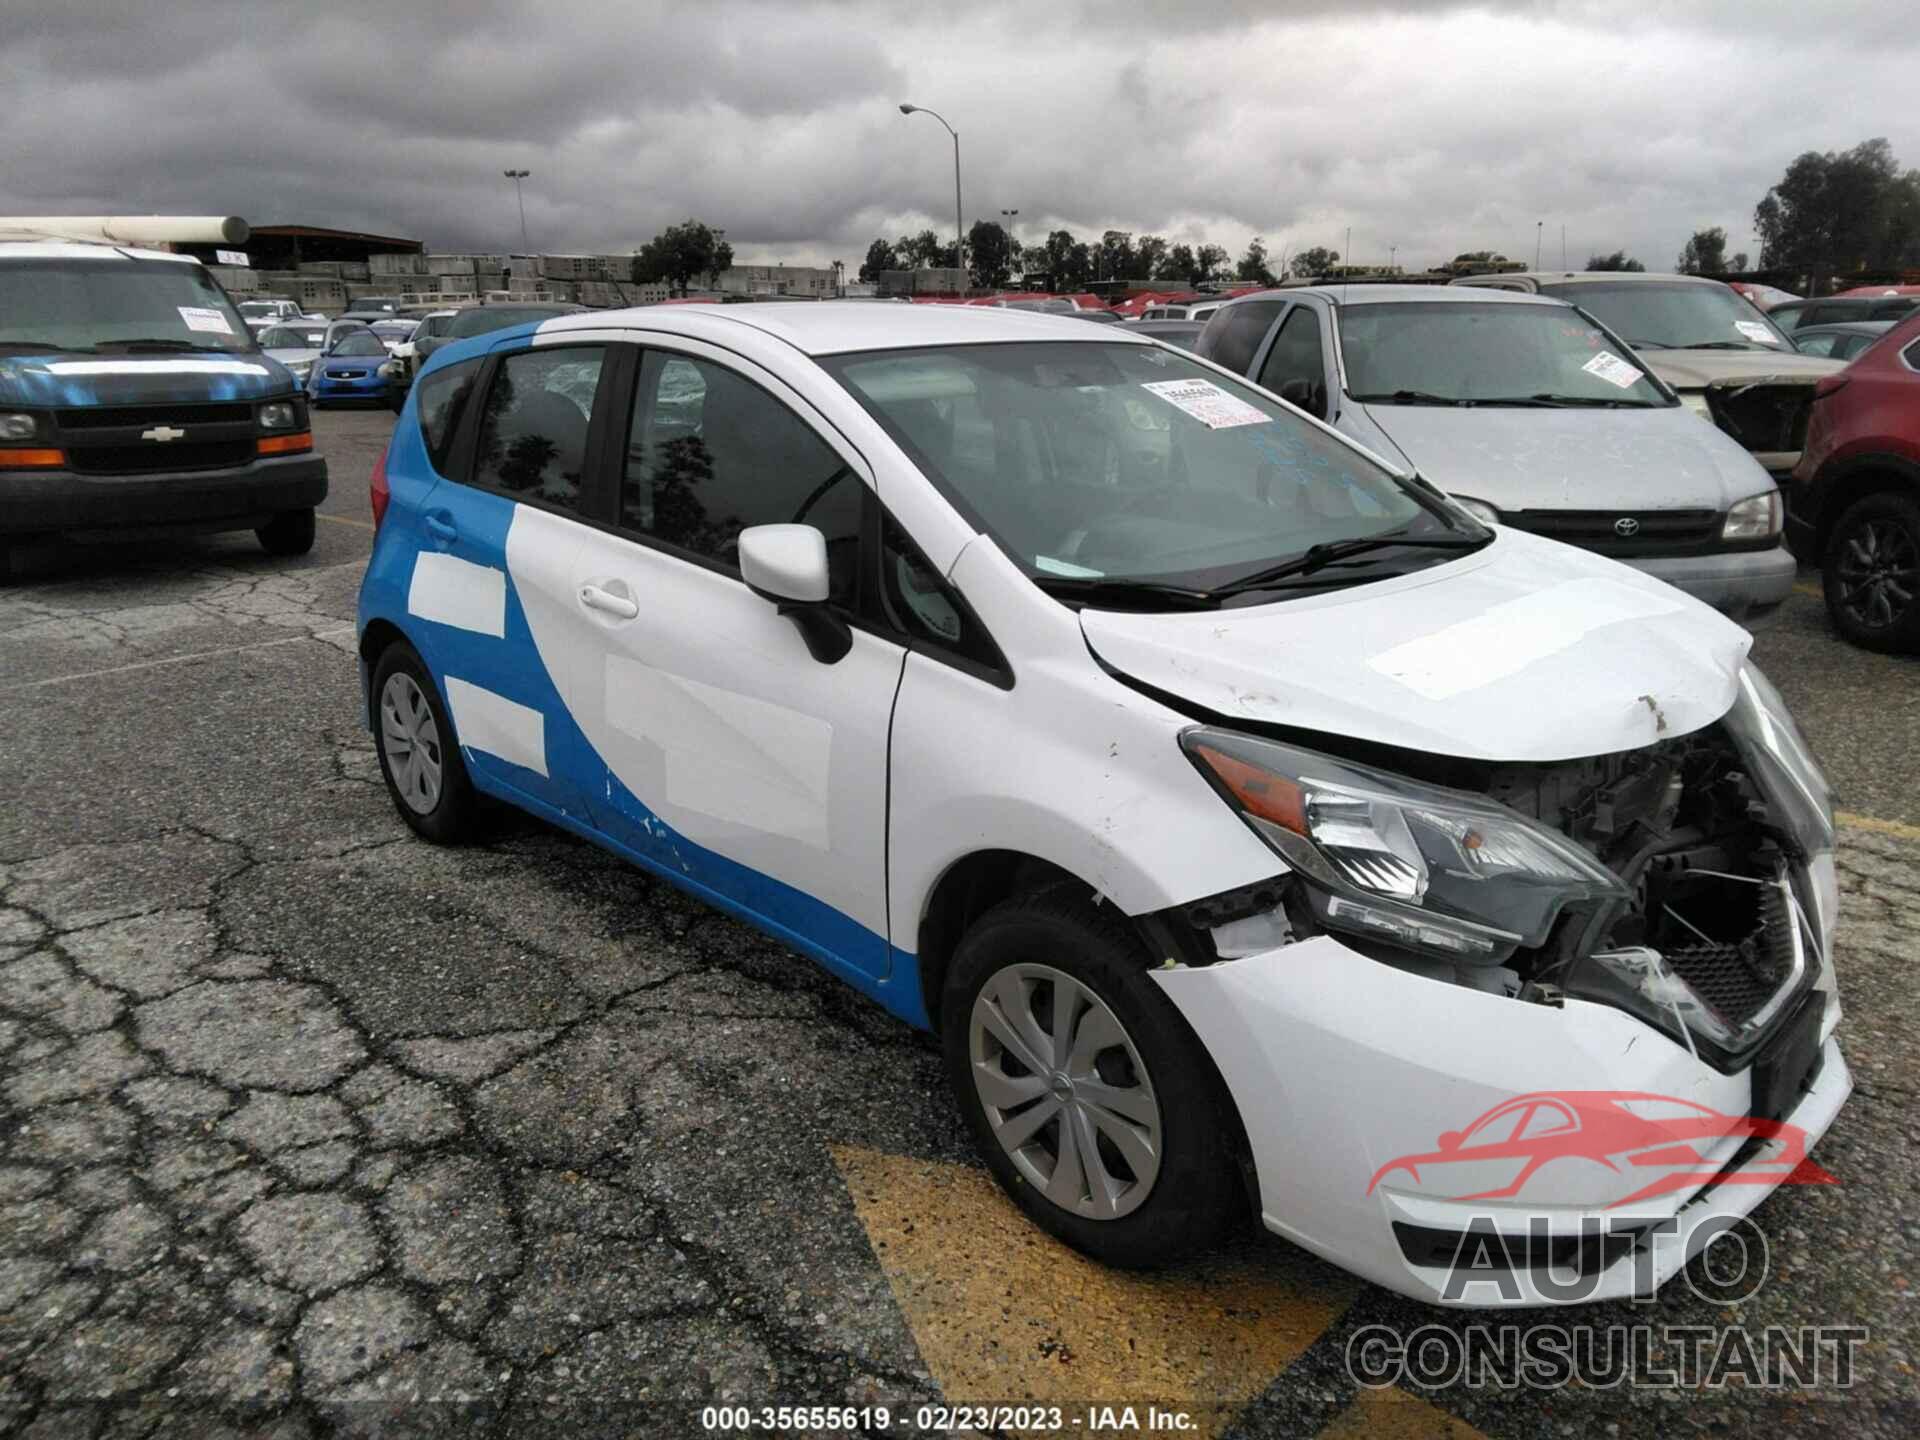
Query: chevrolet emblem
x=162, y=433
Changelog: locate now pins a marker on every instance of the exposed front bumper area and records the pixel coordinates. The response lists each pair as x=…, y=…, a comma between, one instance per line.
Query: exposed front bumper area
x=1342, y=1066
x=60, y=502
x=1744, y=585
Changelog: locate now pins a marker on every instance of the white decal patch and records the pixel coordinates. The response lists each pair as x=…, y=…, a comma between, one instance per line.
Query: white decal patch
x=1754, y=330
x=153, y=367
x=729, y=756
x=1612, y=369
x=1208, y=403
x=1515, y=634
x=458, y=592
x=205, y=318
x=233, y=257
x=486, y=721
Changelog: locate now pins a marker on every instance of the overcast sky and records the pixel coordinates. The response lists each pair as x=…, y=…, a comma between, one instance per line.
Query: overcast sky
x=1431, y=127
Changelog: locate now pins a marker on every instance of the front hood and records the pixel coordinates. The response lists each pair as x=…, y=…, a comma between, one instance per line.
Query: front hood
x=1697, y=369
x=74, y=381
x=1521, y=459
x=1526, y=650
x=295, y=357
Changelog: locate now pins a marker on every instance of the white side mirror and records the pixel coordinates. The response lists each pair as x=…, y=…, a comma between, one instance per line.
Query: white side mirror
x=785, y=562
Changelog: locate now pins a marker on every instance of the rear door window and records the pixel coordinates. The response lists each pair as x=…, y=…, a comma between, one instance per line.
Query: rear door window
x=1297, y=354
x=1234, y=332
x=533, y=434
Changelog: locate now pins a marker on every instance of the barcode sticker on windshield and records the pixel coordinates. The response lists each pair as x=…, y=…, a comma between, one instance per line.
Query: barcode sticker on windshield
x=1754, y=330
x=1612, y=369
x=209, y=320
x=1207, y=403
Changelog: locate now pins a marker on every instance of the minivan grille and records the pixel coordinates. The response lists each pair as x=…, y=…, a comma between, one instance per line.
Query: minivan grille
x=139, y=458
x=156, y=439
x=1624, y=532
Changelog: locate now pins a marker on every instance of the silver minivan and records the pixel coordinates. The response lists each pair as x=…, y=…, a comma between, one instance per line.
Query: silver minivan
x=1532, y=414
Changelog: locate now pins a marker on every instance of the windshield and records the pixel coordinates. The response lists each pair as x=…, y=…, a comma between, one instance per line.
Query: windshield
x=259, y=309
x=393, y=329
x=71, y=304
x=1103, y=461
x=1680, y=316
x=1486, y=352
x=358, y=342
x=293, y=337
x=434, y=325
x=497, y=317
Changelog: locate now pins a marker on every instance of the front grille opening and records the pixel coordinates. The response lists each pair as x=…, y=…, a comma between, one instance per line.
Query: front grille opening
x=1767, y=418
x=1730, y=940
x=143, y=415
x=1624, y=532
x=141, y=459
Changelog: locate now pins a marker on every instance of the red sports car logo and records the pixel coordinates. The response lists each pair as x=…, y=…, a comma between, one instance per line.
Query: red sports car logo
x=1660, y=1137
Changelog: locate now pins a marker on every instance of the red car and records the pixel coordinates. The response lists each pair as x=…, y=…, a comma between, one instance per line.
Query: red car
x=1657, y=1143
x=1853, y=505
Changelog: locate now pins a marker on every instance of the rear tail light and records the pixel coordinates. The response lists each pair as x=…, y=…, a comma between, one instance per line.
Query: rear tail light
x=1827, y=384
x=378, y=491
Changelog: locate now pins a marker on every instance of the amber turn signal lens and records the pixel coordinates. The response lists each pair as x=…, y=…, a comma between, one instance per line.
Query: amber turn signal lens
x=285, y=444
x=32, y=459
x=1260, y=792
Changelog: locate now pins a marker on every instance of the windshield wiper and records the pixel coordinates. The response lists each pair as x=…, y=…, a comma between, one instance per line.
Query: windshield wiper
x=1123, y=591
x=1649, y=345
x=1600, y=402
x=1329, y=551
x=1411, y=397
x=1541, y=402
x=1729, y=345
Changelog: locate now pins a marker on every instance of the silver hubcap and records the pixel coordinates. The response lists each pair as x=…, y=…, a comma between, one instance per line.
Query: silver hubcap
x=412, y=742
x=1065, y=1091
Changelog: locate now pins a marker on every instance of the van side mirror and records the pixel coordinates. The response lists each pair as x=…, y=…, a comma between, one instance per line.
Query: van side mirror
x=1305, y=395
x=787, y=564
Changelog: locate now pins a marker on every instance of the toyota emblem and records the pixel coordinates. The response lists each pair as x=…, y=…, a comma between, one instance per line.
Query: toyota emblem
x=1626, y=525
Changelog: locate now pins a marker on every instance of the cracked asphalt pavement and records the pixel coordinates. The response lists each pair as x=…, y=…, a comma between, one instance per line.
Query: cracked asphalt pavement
x=304, y=1123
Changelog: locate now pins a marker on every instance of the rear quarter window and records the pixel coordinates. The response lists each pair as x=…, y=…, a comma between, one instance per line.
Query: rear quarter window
x=443, y=400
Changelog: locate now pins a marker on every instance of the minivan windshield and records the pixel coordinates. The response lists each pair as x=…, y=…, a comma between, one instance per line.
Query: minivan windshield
x=116, y=305
x=1488, y=352
x=1097, y=466
x=1676, y=315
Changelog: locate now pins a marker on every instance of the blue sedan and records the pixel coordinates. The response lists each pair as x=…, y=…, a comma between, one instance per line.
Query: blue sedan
x=355, y=368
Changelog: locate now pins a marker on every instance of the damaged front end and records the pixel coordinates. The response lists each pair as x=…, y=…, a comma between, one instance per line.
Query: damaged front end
x=1689, y=882
x=1766, y=413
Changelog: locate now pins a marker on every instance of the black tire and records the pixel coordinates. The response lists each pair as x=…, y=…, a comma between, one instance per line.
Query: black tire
x=1196, y=1192
x=288, y=533
x=1872, y=559
x=450, y=819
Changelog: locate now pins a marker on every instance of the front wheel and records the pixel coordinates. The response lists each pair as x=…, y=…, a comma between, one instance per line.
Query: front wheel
x=288, y=533
x=1094, y=1104
x=1872, y=577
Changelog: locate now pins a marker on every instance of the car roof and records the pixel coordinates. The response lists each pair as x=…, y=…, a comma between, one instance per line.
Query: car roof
x=79, y=250
x=1586, y=277
x=1401, y=295
x=830, y=327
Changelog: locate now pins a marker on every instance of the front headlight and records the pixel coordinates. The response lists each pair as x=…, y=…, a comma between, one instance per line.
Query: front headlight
x=1397, y=860
x=1755, y=518
x=16, y=427
x=278, y=415
x=1696, y=401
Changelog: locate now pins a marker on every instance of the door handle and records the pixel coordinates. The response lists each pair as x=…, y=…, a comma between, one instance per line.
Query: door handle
x=441, y=529
x=594, y=598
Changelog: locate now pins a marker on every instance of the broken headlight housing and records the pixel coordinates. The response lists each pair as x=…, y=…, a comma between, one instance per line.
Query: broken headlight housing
x=1398, y=861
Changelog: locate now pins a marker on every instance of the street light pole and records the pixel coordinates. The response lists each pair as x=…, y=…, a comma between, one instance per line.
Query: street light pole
x=1539, y=227
x=517, y=176
x=959, y=230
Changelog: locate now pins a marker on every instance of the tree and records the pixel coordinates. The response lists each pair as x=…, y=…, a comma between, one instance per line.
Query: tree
x=1064, y=260
x=880, y=257
x=1208, y=261
x=1738, y=263
x=1178, y=265
x=993, y=253
x=1149, y=254
x=679, y=253
x=1846, y=211
x=1705, y=252
x=1253, y=264
x=1316, y=261
x=1618, y=260
x=922, y=250
x=1116, y=257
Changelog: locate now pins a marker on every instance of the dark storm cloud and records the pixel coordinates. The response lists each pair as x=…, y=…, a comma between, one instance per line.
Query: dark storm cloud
x=1426, y=126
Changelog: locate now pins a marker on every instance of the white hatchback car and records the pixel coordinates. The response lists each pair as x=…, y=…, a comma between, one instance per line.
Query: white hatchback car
x=1246, y=817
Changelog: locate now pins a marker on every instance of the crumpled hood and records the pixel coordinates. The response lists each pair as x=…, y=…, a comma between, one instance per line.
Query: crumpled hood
x=38, y=381
x=1697, y=369
x=1525, y=650
x=1521, y=459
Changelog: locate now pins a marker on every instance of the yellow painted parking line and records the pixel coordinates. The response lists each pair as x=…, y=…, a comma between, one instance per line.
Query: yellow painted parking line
x=1899, y=829
x=1005, y=1314
x=1808, y=587
x=345, y=520
x=1396, y=1415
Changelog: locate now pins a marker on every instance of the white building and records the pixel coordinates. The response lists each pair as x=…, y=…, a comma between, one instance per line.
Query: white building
x=815, y=281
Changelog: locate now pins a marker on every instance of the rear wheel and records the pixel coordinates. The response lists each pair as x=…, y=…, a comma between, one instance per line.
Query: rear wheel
x=289, y=533
x=1095, y=1106
x=1872, y=577
x=419, y=756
